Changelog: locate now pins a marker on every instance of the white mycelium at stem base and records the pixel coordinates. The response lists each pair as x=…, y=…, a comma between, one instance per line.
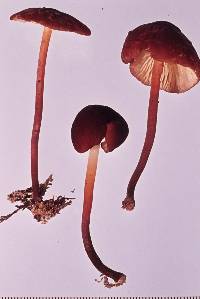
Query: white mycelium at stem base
x=118, y=277
x=129, y=202
x=38, y=110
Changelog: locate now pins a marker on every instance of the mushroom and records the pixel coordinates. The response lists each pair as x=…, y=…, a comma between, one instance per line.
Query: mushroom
x=51, y=19
x=160, y=56
x=91, y=125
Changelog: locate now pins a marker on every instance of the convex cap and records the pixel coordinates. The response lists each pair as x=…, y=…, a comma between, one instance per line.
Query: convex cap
x=164, y=42
x=51, y=18
x=94, y=123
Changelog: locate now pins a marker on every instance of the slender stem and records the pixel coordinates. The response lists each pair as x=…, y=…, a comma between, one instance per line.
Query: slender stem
x=38, y=110
x=119, y=278
x=129, y=202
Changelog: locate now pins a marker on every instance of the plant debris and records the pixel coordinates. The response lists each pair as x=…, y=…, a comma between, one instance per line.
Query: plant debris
x=107, y=284
x=42, y=210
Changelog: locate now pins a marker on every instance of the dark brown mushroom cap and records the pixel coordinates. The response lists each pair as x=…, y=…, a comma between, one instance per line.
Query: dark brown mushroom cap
x=51, y=18
x=164, y=42
x=94, y=123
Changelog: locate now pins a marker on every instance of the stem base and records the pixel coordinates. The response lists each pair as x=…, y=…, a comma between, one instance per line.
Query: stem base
x=128, y=203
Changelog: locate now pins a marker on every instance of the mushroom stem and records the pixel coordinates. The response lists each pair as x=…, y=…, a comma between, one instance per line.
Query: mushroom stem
x=38, y=110
x=129, y=202
x=118, y=277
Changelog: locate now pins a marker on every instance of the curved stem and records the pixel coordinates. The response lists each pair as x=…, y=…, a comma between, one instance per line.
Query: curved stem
x=118, y=277
x=129, y=202
x=38, y=110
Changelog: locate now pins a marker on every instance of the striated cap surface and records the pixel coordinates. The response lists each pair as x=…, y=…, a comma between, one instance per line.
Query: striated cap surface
x=164, y=42
x=94, y=123
x=51, y=18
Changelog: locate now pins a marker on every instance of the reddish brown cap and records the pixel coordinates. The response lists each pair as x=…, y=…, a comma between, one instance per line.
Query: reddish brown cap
x=95, y=122
x=164, y=42
x=51, y=18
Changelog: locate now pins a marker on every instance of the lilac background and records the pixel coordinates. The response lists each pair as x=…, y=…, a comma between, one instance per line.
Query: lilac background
x=157, y=246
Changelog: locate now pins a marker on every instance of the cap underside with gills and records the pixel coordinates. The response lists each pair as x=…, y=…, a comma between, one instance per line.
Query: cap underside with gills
x=162, y=41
